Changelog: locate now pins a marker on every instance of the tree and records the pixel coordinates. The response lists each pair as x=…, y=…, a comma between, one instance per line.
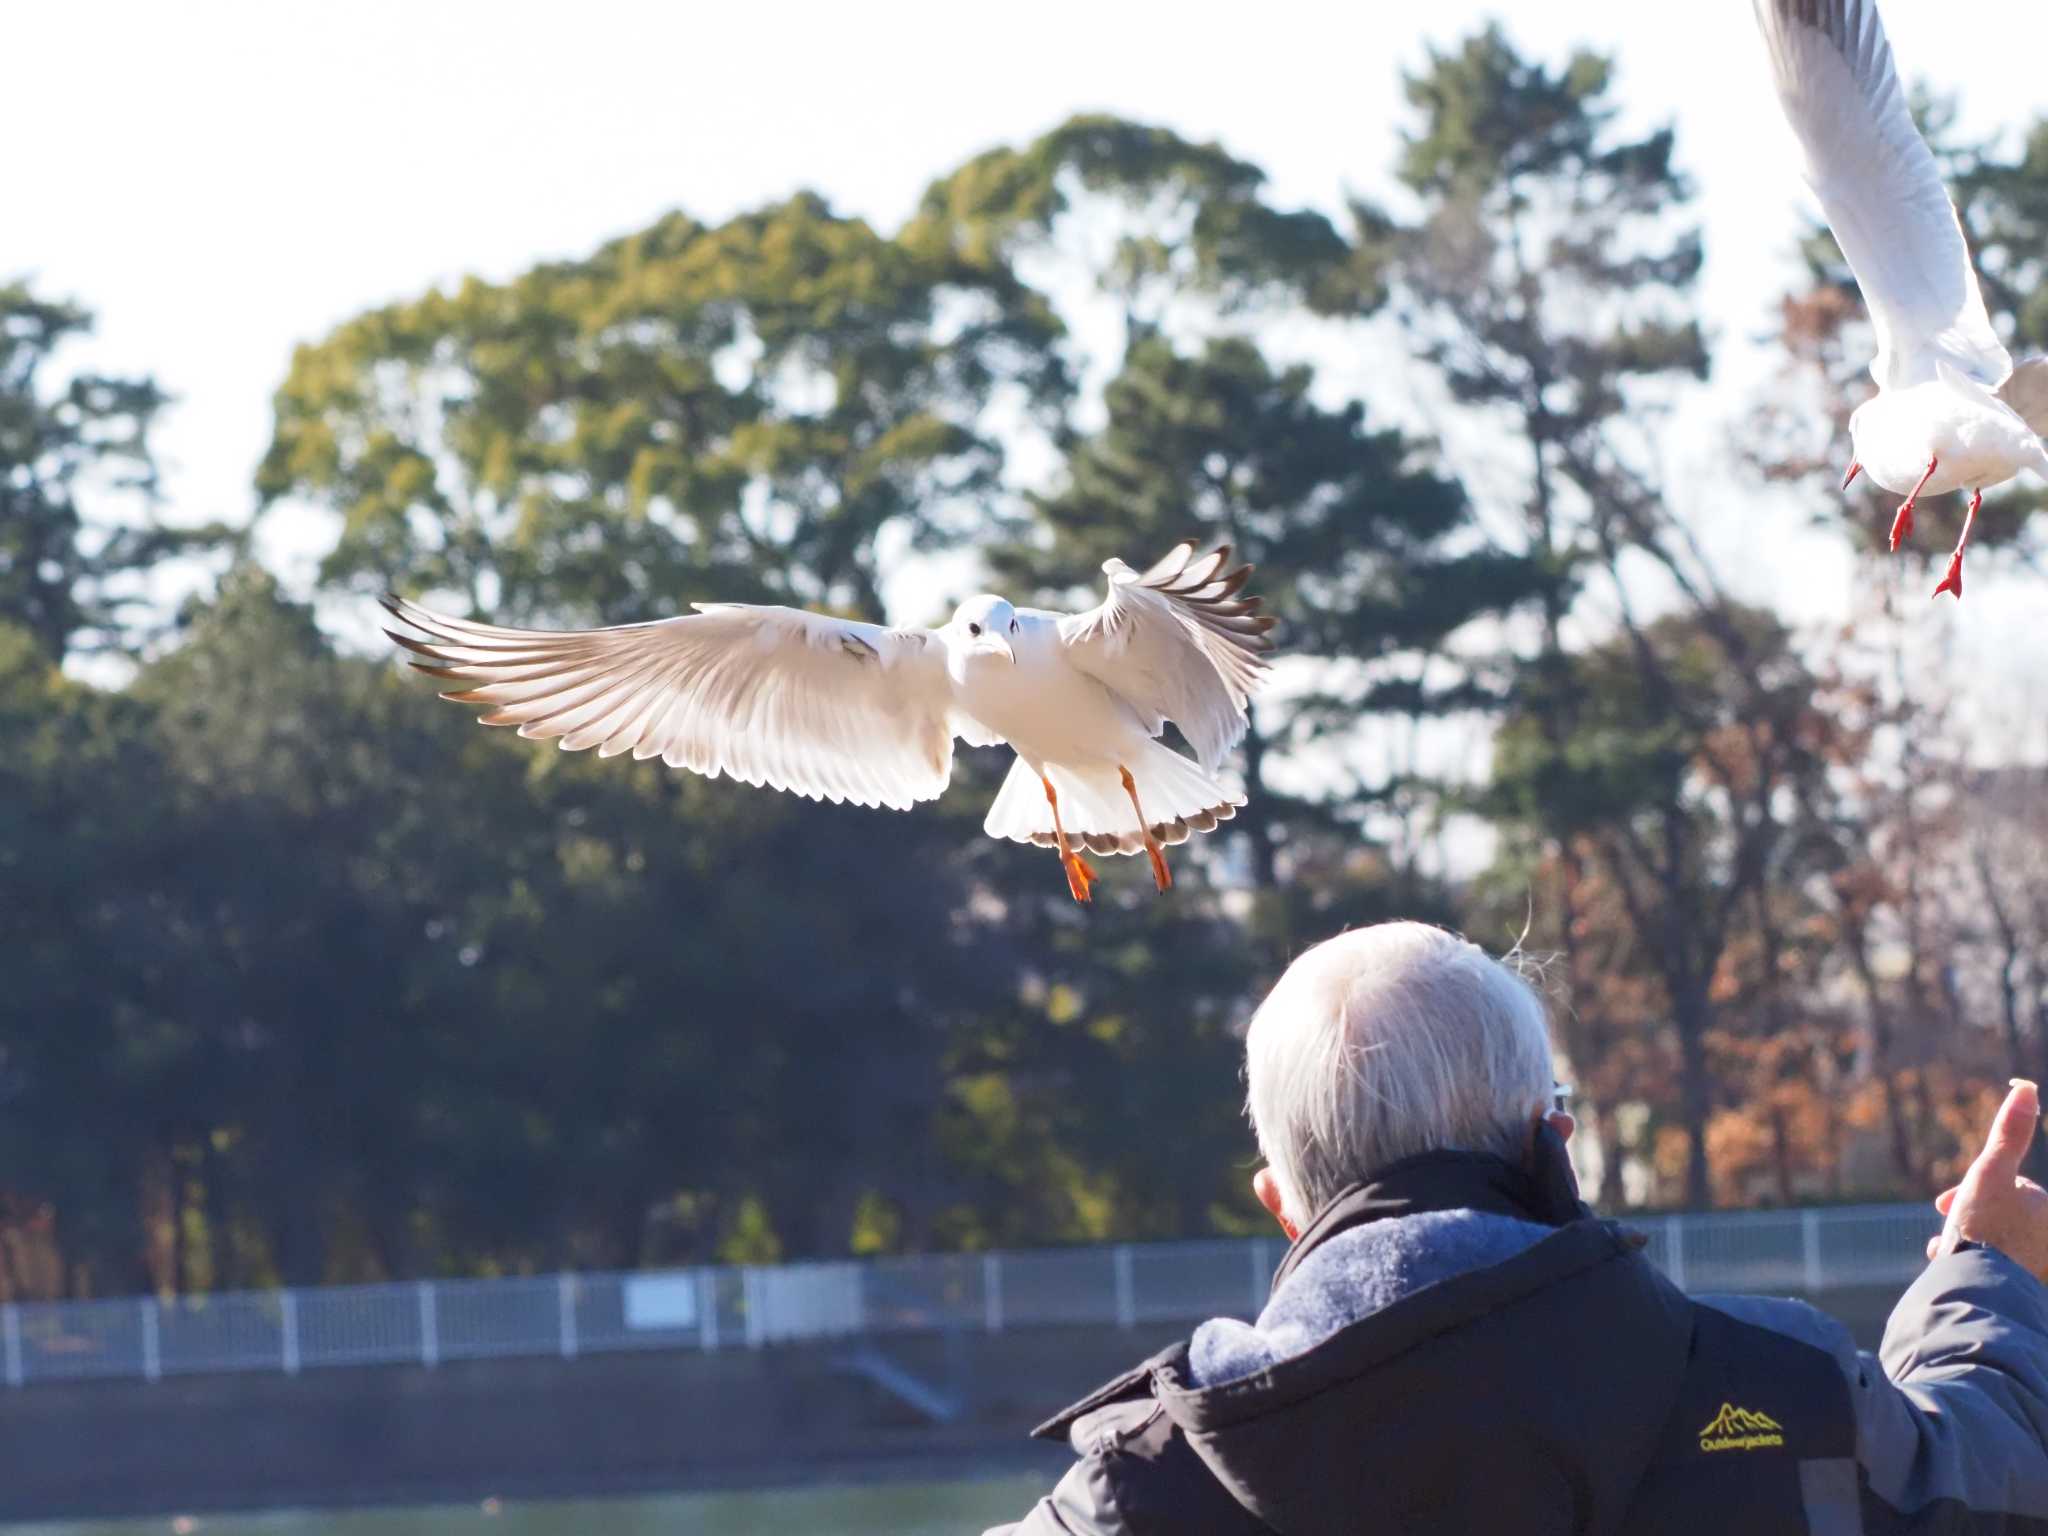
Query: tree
x=1174, y=218
x=1548, y=279
x=1928, y=897
x=2005, y=847
x=1934, y=922
x=1364, y=552
x=738, y=412
x=77, y=487
x=1196, y=431
x=81, y=815
x=757, y=411
x=745, y=412
x=1690, y=786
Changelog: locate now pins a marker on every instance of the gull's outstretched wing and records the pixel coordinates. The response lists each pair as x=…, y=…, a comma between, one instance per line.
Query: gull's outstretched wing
x=796, y=701
x=1881, y=190
x=2027, y=392
x=1177, y=643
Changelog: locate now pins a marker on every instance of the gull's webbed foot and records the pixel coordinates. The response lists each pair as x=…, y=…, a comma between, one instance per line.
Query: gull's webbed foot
x=1081, y=876
x=1952, y=583
x=1902, y=525
x=1162, y=877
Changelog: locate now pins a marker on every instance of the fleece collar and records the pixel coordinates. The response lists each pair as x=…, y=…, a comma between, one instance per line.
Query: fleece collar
x=1359, y=1272
x=1410, y=1225
x=1542, y=1189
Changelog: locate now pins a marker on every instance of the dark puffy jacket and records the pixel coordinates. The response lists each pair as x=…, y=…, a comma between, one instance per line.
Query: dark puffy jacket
x=1458, y=1346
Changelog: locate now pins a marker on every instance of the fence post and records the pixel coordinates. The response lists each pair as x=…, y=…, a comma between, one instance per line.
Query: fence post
x=1809, y=1232
x=430, y=1326
x=152, y=1359
x=565, y=1301
x=707, y=1310
x=1674, y=1249
x=1262, y=1278
x=288, y=1327
x=1126, y=1301
x=10, y=1340
x=992, y=1293
x=755, y=1305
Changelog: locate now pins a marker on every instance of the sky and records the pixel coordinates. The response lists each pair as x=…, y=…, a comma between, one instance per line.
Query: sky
x=221, y=181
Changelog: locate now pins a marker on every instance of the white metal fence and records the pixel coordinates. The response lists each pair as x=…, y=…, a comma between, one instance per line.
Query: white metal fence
x=425, y=1323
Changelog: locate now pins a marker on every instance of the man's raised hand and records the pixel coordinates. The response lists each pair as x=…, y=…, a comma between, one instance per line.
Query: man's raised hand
x=1995, y=1205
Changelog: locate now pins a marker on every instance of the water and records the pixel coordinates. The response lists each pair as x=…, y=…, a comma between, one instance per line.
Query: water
x=884, y=1509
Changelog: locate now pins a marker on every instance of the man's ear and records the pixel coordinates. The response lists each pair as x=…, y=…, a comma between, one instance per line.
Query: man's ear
x=1558, y=1120
x=1267, y=1188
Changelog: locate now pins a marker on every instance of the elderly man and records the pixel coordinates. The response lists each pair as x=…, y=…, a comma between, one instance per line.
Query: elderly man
x=1455, y=1343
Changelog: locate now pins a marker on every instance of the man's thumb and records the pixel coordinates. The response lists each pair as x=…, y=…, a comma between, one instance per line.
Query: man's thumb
x=2012, y=1130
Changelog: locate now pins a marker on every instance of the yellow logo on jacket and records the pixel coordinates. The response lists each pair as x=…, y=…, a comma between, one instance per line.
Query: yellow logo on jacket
x=1738, y=1429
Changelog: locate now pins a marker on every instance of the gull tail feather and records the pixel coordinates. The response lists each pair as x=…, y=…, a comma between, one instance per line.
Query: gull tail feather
x=1179, y=797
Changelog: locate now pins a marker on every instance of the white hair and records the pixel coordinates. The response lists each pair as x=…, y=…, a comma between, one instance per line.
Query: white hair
x=1389, y=1041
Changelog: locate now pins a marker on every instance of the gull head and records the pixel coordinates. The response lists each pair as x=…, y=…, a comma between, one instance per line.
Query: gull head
x=982, y=626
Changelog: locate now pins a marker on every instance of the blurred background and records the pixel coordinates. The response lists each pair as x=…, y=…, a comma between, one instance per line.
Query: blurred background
x=340, y=1033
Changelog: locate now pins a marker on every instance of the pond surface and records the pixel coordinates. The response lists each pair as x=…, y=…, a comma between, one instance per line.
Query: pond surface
x=880, y=1509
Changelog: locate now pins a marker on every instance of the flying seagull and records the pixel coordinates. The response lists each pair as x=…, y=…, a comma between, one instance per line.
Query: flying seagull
x=843, y=711
x=1951, y=411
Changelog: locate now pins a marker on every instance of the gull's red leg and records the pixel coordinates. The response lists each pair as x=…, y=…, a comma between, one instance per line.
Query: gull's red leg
x=1079, y=876
x=1953, y=581
x=1162, y=877
x=1902, y=525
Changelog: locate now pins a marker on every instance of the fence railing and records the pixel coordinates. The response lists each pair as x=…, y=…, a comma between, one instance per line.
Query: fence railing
x=1123, y=1285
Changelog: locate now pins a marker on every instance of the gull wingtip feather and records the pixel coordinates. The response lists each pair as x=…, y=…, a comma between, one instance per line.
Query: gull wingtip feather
x=398, y=607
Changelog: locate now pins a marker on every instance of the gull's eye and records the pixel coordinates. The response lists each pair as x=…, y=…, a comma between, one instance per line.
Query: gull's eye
x=1013, y=626
x=974, y=629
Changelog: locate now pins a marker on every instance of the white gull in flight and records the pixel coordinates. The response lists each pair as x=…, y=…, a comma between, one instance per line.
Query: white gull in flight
x=1951, y=412
x=844, y=711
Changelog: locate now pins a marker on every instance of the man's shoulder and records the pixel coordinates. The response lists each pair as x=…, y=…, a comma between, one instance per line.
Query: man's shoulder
x=1137, y=1473
x=1785, y=1318
x=1753, y=1352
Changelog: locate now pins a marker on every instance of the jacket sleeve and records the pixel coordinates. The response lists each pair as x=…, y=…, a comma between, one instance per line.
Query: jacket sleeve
x=1136, y=1476
x=1082, y=1504
x=1956, y=1425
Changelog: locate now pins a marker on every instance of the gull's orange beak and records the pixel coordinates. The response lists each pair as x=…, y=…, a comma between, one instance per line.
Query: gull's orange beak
x=1855, y=469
